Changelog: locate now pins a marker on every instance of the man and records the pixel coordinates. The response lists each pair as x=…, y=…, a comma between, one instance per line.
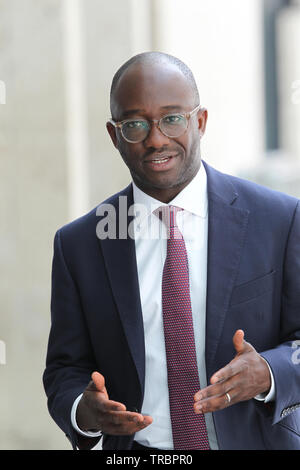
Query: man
x=186, y=340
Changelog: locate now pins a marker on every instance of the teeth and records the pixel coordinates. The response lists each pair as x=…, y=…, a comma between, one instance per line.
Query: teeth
x=162, y=160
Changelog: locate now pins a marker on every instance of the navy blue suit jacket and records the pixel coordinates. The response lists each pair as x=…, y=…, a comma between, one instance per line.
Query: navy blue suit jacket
x=253, y=283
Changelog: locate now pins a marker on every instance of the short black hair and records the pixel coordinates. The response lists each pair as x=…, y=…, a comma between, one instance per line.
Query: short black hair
x=154, y=57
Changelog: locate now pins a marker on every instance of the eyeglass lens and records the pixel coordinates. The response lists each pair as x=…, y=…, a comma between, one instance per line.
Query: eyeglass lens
x=171, y=126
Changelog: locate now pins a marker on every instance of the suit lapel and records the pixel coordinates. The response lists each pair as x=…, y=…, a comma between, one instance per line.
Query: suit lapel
x=120, y=260
x=226, y=235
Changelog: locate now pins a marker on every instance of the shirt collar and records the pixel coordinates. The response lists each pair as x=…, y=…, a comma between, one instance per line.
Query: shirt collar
x=193, y=198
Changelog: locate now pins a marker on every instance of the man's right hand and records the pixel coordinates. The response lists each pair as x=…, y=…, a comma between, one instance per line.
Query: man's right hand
x=96, y=412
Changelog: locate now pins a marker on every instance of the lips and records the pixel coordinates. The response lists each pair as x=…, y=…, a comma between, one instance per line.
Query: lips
x=161, y=160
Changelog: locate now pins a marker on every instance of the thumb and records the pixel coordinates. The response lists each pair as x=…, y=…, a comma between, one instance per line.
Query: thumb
x=99, y=381
x=238, y=341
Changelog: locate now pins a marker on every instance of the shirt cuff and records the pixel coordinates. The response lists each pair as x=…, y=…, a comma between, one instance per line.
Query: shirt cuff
x=270, y=396
x=74, y=423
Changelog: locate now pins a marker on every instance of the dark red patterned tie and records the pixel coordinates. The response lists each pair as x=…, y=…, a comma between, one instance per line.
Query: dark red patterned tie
x=188, y=428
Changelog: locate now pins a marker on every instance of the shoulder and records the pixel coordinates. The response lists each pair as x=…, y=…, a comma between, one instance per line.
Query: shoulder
x=85, y=226
x=248, y=194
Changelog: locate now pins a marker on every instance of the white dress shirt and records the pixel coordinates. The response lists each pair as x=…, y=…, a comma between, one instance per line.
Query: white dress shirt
x=151, y=247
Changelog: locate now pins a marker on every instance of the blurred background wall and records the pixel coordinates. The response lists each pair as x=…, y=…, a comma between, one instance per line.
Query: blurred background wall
x=57, y=59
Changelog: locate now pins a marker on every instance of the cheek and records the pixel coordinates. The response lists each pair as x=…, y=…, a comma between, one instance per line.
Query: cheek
x=186, y=144
x=131, y=155
x=193, y=140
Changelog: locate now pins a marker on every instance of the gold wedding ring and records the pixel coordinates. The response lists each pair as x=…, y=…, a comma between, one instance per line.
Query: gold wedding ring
x=228, y=397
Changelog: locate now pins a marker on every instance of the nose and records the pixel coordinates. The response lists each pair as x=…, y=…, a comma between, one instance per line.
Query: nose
x=155, y=138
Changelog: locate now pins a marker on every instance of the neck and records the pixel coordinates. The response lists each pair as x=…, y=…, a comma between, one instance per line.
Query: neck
x=164, y=195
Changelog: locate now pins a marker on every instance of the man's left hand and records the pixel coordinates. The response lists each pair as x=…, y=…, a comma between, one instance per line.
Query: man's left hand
x=246, y=376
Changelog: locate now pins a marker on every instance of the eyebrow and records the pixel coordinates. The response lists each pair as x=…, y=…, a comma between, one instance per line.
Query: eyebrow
x=173, y=106
x=130, y=112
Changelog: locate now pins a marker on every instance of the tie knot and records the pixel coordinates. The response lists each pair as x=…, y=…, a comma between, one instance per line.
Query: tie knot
x=167, y=214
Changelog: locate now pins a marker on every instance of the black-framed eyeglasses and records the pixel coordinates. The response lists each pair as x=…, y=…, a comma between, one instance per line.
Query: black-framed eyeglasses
x=171, y=125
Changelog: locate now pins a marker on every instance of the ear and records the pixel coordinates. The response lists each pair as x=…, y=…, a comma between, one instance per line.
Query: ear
x=202, y=116
x=112, y=132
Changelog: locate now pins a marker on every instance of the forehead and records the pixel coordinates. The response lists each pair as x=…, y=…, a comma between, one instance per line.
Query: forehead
x=151, y=87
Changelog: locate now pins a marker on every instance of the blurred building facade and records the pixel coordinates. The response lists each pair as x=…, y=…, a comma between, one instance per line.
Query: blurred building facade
x=57, y=59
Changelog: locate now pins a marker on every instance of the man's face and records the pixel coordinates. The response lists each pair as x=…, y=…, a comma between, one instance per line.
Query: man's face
x=161, y=166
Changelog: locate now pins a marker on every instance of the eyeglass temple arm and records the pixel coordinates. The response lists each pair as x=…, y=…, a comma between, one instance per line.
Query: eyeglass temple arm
x=115, y=124
x=194, y=110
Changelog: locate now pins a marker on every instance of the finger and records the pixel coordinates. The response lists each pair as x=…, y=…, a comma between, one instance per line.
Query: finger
x=99, y=381
x=125, y=423
x=107, y=406
x=210, y=391
x=220, y=387
x=127, y=417
x=101, y=399
x=97, y=384
x=230, y=370
x=216, y=403
x=238, y=341
x=240, y=344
